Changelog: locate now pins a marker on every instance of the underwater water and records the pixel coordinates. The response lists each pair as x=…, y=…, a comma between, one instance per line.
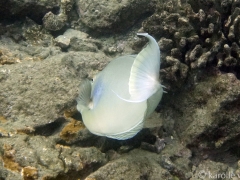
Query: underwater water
x=48, y=49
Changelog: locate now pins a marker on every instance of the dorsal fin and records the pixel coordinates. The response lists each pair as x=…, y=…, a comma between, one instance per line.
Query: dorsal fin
x=144, y=75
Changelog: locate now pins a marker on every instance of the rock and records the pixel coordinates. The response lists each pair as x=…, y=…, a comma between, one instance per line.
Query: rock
x=208, y=110
x=77, y=41
x=12, y=53
x=211, y=170
x=32, y=9
x=69, y=33
x=77, y=44
x=69, y=132
x=63, y=41
x=125, y=167
x=29, y=172
x=54, y=22
x=33, y=34
x=48, y=160
x=115, y=16
x=138, y=164
x=175, y=158
x=6, y=57
x=38, y=100
x=26, y=112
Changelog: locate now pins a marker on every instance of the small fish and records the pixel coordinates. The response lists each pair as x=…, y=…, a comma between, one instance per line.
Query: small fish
x=116, y=103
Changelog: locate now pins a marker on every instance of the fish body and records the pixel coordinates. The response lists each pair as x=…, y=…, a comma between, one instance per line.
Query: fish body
x=116, y=103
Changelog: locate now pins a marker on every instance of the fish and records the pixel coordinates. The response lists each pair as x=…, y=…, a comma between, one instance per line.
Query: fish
x=123, y=95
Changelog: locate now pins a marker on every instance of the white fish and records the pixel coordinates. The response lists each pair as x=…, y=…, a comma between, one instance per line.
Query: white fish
x=116, y=103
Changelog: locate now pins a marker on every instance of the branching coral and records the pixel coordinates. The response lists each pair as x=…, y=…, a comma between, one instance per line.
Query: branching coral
x=196, y=34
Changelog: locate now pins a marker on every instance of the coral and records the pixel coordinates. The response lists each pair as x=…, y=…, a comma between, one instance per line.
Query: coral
x=192, y=34
x=175, y=73
x=233, y=26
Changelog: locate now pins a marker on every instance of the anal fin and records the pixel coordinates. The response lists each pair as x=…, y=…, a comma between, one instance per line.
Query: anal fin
x=129, y=133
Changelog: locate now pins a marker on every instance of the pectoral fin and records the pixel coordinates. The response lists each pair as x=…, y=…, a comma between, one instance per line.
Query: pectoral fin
x=84, y=98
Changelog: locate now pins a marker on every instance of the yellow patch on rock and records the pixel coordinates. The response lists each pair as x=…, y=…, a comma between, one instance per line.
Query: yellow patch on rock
x=29, y=173
x=26, y=130
x=8, y=159
x=69, y=132
x=3, y=119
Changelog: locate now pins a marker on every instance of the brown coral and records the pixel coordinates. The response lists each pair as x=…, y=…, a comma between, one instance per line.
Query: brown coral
x=192, y=34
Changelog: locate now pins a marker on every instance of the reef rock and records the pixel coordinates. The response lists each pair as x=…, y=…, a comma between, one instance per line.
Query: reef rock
x=125, y=168
x=38, y=157
x=112, y=16
x=55, y=22
x=206, y=117
x=44, y=88
x=32, y=9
